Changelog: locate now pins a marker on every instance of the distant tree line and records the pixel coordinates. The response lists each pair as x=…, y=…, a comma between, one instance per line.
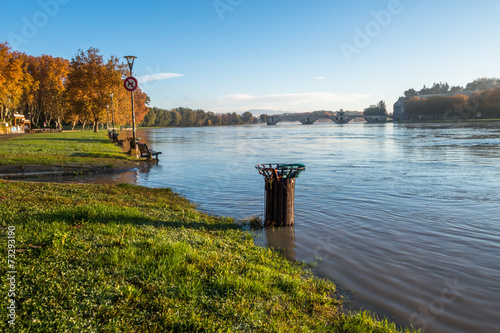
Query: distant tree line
x=479, y=99
x=380, y=109
x=444, y=88
x=186, y=117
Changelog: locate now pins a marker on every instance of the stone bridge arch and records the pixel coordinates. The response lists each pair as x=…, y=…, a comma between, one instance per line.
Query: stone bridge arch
x=340, y=118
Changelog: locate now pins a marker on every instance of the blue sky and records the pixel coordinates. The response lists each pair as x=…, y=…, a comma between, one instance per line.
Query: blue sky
x=239, y=55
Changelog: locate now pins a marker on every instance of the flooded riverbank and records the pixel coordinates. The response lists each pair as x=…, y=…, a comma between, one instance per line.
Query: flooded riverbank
x=403, y=216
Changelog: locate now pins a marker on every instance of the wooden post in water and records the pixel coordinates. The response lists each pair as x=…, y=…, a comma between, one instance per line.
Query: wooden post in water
x=280, y=193
x=280, y=200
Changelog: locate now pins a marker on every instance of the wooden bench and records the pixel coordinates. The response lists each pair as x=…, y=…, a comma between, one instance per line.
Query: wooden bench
x=146, y=152
x=114, y=137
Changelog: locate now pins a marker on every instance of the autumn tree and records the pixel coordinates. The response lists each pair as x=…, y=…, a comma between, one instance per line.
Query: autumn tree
x=28, y=99
x=122, y=105
x=13, y=78
x=46, y=98
x=141, y=102
x=437, y=107
x=413, y=106
x=486, y=103
x=90, y=81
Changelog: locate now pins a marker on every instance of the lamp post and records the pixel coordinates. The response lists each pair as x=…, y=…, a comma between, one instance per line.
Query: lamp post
x=107, y=118
x=29, y=120
x=112, y=114
x=130, y=61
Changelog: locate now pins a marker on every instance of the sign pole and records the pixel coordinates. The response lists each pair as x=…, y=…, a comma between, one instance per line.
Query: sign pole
x=128, y=82
x=112, y=115
x=134, y=136
x=107, y=117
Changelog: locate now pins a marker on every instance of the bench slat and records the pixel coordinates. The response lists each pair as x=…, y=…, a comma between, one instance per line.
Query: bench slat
x=146, y=152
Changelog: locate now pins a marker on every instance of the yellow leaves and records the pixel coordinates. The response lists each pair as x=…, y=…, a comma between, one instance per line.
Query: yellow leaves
x=49, y=74
x=93, y=77
x=12, y=76
x=57, y=88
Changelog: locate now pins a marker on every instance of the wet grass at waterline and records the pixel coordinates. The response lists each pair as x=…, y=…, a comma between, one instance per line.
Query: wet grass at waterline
x=93, y=258
x=79, y=148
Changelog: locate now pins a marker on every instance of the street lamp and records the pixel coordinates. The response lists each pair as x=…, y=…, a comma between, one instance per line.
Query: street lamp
x=112, y=114
x=130, y=61
x=107, y=118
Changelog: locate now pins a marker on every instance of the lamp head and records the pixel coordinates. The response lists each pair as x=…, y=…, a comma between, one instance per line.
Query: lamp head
x=130, y=61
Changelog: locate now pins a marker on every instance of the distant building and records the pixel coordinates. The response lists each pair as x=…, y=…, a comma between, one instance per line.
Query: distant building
x=399, y=106
x=398, y=112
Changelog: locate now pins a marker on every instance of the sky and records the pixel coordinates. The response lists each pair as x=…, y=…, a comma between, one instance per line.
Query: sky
x=270, y=56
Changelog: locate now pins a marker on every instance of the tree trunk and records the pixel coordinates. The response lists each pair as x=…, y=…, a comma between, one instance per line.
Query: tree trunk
x=96, y=126
x=36, y=117
x=59, y=123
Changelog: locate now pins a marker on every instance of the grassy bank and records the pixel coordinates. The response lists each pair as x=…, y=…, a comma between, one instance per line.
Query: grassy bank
x=81, y=148
x=130, y=259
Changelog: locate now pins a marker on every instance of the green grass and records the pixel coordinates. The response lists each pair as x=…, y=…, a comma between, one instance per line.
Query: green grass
x=82, y=148
x=125, y=258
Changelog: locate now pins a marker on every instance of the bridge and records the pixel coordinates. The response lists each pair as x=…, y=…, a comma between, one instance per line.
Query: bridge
x=340, y=118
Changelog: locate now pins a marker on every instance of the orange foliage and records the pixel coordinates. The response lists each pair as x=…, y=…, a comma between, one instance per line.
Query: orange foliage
x=46, y=97
x=90, y=81
x=437, y=107
x=79, y=91
x=13, y=77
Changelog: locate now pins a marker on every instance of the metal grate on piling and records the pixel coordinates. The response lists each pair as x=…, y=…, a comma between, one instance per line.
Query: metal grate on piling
x=279, y=171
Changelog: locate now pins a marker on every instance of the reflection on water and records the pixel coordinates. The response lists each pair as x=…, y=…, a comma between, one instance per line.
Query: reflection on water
x=133, y=176
x=279, y=239
x=404, y=216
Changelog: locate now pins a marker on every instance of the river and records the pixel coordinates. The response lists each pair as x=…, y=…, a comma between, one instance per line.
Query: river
x=405, y=217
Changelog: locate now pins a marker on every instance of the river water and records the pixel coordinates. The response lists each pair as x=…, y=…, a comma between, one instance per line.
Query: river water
x=405, y=217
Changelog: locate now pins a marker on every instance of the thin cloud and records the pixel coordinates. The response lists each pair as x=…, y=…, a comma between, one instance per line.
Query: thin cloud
x=320, y=77
x=157, y=77
x=303, y=98
x=285, y=102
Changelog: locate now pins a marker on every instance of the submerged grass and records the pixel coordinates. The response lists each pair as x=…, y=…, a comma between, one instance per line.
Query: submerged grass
x=93, y=258
x=79, y=148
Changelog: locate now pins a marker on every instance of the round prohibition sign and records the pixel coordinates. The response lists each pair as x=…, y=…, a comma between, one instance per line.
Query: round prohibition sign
x=130, y=83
